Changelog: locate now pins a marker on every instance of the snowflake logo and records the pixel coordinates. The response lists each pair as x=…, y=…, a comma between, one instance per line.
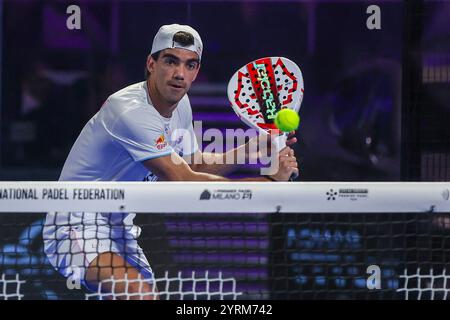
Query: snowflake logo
x=331, y=195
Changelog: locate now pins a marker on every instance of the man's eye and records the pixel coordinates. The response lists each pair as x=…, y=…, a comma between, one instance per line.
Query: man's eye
x=192, y=66
x=170, y=61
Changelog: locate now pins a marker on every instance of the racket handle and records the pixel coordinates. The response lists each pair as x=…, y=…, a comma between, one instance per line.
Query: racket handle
x=293, y=176
x=280, y=143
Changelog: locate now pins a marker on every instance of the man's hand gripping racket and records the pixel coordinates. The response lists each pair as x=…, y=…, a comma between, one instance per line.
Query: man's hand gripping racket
x=261, y=88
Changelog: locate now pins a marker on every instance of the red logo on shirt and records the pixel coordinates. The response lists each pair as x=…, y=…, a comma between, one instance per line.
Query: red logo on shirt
x=161, y=142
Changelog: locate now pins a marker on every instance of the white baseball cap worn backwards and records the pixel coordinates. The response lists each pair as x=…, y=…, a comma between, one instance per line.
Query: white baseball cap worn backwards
x=164, y=39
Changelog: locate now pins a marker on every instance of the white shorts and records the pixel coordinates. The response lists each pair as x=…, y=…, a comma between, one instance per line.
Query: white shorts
x=71, y=248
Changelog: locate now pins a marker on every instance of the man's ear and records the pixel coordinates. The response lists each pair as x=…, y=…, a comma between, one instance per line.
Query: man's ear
x=150, y=63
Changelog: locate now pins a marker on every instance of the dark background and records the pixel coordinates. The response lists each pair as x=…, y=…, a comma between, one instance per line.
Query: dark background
x=55, y=79
x=376, y=108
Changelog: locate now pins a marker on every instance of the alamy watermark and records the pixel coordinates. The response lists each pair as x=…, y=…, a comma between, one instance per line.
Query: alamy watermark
x=250, y=147
x=73, y=21
x=74, y=279
x=374, y=279
x=373, y=22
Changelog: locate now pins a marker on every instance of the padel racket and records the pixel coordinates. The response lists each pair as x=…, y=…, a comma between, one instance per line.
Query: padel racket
x=261, y=88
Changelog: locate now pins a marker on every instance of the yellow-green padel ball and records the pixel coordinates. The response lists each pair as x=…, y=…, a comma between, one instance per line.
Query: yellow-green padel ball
x=287, y=120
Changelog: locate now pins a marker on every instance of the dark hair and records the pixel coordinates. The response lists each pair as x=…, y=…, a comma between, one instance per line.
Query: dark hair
x=181, y=37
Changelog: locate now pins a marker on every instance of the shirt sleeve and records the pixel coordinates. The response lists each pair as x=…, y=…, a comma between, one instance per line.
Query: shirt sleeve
x=141, y=134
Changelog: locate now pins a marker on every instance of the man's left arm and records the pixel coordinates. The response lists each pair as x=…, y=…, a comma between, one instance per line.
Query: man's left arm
x=217, y=163
x=224, y=163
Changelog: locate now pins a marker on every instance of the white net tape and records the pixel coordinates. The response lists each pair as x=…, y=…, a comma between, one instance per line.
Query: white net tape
x=425, y=285
x=10, y=288
x=194, y=287
x=258, y=197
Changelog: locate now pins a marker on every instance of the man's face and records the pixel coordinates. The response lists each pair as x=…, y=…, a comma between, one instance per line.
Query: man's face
x=173, y=73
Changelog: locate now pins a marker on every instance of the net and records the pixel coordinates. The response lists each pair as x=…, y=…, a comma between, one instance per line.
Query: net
x=10, y=288
x=179, y=287
x=224, y=241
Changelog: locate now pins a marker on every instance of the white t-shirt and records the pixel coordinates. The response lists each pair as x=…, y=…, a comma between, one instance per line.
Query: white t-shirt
x=111, y=147
x=126, y=131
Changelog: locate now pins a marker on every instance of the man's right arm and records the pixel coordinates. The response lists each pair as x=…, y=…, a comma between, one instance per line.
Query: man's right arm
x=174, y=168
